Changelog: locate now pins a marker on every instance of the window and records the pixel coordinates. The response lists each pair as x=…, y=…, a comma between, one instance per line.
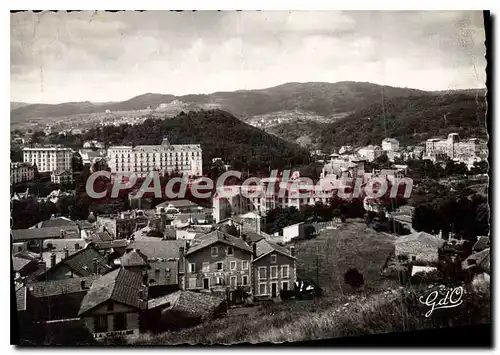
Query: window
x=414, y=258
x=244, y=265
x=233, y=265
x=192, y=268
x=219, y=281
x=262, y=273
x=244, y=280
x=285, y=271
x=215, y=251
x=273, y=259
x=262, y=289
x=284, y=285
x=77, y=246
x=101, y=324
x=274, y=272
x=120, y=320
x=220, y=266
x=206, y=267
x=49, y=246
x=234, y=281
x=230, y=251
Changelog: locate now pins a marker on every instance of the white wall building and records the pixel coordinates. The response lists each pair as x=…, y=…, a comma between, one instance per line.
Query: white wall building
x=454, y=148
x=390, y=145
x=48, y=159
x=370, y=152
x=20, y=172
x=143, y=159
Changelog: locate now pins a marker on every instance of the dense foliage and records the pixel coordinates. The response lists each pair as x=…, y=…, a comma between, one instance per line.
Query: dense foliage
x=411, y=120
x=220, y=135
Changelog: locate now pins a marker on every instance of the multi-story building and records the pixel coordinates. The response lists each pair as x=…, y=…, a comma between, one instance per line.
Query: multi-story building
x=164, y=158
x=216, y=261
x=20, y=172
x=61, y=177
x=454, y=148
x=370, y=152
x=390, y=145
x=273, y=269
x=48, y=159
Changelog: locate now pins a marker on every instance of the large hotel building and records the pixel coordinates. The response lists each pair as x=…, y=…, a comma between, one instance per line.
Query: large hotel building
x=164, y=158
x=48, y=159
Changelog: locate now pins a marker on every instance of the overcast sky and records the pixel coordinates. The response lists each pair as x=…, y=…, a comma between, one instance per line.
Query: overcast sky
x=87, y=56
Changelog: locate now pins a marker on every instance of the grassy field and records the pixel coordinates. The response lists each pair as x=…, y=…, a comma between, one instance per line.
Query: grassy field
x=356, y=315
x=381, y=307
x=353, y=244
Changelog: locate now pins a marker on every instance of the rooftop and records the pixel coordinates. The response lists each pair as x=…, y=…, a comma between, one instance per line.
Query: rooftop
x=421, y=237
x=59, y=287
x=120, y=286
x=264, y=247
x=218, y=236
x=195, y=304
x=134, y=257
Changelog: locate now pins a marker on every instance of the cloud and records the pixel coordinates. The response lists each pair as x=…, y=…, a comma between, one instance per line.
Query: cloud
x=101, y=56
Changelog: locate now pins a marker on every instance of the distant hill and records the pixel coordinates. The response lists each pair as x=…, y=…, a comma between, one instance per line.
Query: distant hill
x=15, y=104
x=292, y=131
x=220, y=134
x=410, y=120
x=324, y=99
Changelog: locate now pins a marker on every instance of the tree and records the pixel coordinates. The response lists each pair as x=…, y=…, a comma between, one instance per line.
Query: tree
x=354, y=278
x=37, y=137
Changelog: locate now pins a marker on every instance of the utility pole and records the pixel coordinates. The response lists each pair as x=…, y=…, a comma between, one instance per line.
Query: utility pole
x=317, y=268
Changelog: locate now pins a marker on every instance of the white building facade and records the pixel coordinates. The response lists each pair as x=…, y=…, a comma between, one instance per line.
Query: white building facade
x=20, y=172
x=48, y=159
x=164, y=158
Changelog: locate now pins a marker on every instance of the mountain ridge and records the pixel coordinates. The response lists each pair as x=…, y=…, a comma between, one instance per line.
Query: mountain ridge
x=319, y=97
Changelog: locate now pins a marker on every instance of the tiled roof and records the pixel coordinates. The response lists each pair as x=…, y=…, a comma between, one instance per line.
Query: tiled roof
x=120, y=286
x=134, y=258
x=252, y=237
x=84, y=224
x=19, y=263
x=21, y=296
x=56, y=222
x=59, y=287
x=264, y=247
x=163, y=273
x=218, y=236
x=421, y=237
x=481, y=244
x=81, y=262
x=36, y=233
x=101, y=236
x=61, y=244
x=117, y=243
x=482, y=259
x=163, y=249
x=195, y=304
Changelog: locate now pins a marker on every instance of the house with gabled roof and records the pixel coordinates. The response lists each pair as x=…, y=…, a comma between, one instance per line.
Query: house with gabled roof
x=85, y=262
x=419, y=247
x=217, y=261
x=58, y=299
x=273, y=269
x=113, y=304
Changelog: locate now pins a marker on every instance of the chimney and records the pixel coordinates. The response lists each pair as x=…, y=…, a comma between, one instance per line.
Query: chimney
x=94, y=262
x=52, y=260
x=254, y=250
x=82, y=284
x=66, y=253
x=292, y=250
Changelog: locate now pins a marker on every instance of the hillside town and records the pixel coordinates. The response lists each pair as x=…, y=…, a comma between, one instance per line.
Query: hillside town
x=180, y=263
x=229, y=177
